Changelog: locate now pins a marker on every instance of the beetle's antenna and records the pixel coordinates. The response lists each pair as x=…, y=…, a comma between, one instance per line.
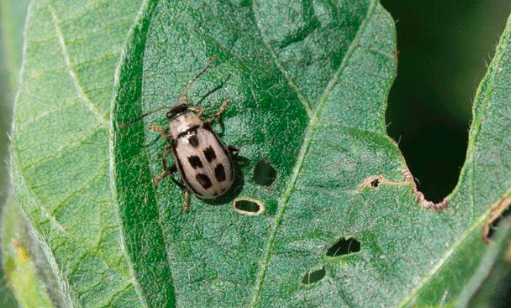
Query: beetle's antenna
x=214, y=90
x=185, y=90
x=144, y=115
x=182, y=94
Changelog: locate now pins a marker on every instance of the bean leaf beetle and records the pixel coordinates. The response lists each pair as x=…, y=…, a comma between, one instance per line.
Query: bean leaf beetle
x=203, y=160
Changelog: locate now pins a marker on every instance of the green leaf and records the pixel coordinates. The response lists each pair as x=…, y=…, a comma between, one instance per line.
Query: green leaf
x=60, y=146
x=484, y=182
x=489, y=287
x=287, y=93
x=307, y=84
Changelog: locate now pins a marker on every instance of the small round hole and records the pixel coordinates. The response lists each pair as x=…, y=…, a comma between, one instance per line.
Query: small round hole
x=375, y=183
x=248, y=206
x=313, y=277
x=264, y=173
x=343, y=247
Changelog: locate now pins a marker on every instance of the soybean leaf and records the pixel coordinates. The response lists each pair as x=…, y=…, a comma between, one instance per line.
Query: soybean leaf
x=289, y=80
x=319, y=109
x=484, y=185
x=307, y=84
x=60, y=156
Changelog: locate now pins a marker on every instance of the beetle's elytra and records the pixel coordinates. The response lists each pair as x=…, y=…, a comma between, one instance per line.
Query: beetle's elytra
x=203, y=160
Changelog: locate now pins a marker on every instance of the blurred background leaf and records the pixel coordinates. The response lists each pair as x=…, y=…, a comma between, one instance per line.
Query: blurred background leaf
x=12, y=18
x=490, y=286
x=26, y=271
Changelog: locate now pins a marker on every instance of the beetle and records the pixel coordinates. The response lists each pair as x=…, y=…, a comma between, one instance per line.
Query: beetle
x=204, y=162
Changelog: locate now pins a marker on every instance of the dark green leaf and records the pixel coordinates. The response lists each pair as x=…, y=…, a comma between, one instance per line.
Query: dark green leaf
x=307, y=84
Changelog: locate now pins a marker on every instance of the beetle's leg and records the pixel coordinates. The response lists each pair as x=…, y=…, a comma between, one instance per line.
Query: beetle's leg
x=181, y=185
x=169, y=171
x=224, y=107
x=186, y=100
x=186, y=205
x=198, y=110
x=166, y=170
x=233, y=150
x=184, y=92
x=162, y=131
x=220, y=111
x=146, y=145
x=160, y=177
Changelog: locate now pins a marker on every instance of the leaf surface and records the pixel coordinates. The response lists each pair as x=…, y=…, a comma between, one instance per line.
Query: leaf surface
x=60, y=146
x=307, y=84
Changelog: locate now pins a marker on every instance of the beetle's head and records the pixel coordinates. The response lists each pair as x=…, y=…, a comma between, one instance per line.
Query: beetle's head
x=177, y=110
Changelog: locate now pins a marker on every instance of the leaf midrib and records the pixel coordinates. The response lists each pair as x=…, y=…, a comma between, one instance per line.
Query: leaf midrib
x=138, y=21
x=314, y=117
x=81, y=93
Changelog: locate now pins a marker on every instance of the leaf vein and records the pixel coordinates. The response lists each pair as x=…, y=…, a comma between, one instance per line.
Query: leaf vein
x=80, y=189
x=43, y=114
x=313, y=123
x=84, y=10
x=305, y=102
x=104, y=58
x=76, y=143
x=94, y=109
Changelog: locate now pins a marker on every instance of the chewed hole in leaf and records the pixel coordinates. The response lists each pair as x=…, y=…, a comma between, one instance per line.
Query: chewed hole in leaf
x=264, y=173
x=343, y=247
x=375, y=183
x=248, y=206
x=314, y=276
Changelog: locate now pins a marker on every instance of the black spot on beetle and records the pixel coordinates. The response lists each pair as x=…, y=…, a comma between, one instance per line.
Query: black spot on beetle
x=195, y=162
x=203, y=180
x=194, y=141
x=220, y=173
x=343, y=247
x=313, y=277
x=209, y=153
